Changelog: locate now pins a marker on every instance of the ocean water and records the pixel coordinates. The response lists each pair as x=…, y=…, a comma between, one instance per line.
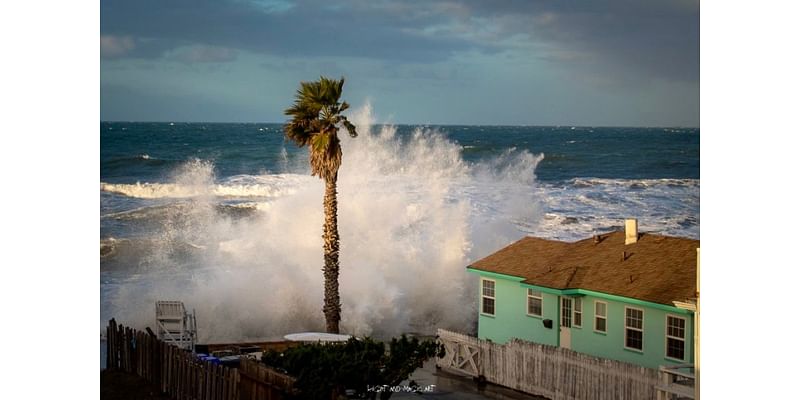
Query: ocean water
x=226, y=217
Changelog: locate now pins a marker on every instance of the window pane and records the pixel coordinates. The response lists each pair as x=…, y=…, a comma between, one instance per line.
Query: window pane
x=633, y=339
x=534, y=302
x=566, y=312
x=600, y=324
x=535, y=306
x=633, y=318
x=675, y=348
x=600, y=309
x=488, y=305
x=676, y=327
x=488, y=288
x=578, y=318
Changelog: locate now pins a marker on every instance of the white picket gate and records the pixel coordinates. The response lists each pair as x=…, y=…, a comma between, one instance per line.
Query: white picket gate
x=548, y=371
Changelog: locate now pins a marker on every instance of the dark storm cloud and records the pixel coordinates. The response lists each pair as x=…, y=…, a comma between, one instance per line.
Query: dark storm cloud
x=306, y=29
x=659, y=37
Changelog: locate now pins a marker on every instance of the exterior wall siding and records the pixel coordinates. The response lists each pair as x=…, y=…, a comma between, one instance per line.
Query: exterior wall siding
x=511, y=321
x=612, y=343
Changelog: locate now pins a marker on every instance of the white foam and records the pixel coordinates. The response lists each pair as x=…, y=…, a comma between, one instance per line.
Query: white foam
x=589, y=205
x=242, y=186
x=412, y=215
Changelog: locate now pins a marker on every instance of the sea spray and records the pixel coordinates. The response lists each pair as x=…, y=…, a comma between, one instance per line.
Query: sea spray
x=412, y=215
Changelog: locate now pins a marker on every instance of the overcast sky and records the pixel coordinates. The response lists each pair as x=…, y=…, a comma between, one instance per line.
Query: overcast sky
x=548, y=62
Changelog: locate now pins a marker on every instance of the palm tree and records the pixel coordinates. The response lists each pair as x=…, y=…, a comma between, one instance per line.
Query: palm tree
x=316, y=120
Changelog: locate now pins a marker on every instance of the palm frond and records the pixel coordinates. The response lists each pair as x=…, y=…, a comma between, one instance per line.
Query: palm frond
x=315, y=121
x=351, y=129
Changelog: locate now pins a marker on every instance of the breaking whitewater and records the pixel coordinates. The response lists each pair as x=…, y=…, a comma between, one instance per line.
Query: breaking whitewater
x=227, y=219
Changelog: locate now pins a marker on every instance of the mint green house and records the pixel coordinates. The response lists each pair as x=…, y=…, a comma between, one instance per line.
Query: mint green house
x=625, y=296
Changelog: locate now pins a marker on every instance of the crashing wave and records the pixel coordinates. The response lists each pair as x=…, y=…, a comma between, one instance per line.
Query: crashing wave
x=236, y=187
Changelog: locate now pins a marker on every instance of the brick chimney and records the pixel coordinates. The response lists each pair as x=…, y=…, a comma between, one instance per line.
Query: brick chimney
x=631, y=230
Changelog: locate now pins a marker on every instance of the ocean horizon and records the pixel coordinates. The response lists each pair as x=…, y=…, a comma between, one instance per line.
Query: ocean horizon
x=415, y=124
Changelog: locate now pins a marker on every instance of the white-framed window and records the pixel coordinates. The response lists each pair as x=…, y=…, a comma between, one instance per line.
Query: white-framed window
x=634, y=328
x=600, y=315
x=676, y=337
x=577, y=314
x=534, y=302
x=566, y=312
x=487, y=296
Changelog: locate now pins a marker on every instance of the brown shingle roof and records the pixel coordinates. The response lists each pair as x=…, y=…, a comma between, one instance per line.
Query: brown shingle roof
x=659, y=269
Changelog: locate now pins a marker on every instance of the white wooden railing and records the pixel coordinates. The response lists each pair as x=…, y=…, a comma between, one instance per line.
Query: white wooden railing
x=548, y=371
x=676, y=382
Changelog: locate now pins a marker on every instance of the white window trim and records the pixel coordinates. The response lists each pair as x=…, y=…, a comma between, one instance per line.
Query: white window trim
x=604, y=317
x=667, y=336
x=625, y=329
x=577, y=300
x=527, y=302
x=490, y=297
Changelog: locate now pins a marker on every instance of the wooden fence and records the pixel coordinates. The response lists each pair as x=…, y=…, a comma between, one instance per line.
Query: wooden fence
x=185, y=377
x=548, y=371
x=261, y=382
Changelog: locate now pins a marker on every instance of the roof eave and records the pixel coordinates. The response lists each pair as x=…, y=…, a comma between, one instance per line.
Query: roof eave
x=686, y=305
x=484, y=272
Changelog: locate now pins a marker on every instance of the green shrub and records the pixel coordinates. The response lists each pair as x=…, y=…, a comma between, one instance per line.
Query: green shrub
x=326, y=371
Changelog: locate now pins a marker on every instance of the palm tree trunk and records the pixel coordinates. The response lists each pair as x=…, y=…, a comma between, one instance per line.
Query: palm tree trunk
x=332, y=308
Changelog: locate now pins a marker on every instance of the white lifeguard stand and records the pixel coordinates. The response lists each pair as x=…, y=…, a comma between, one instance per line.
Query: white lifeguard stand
x=175, y=325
